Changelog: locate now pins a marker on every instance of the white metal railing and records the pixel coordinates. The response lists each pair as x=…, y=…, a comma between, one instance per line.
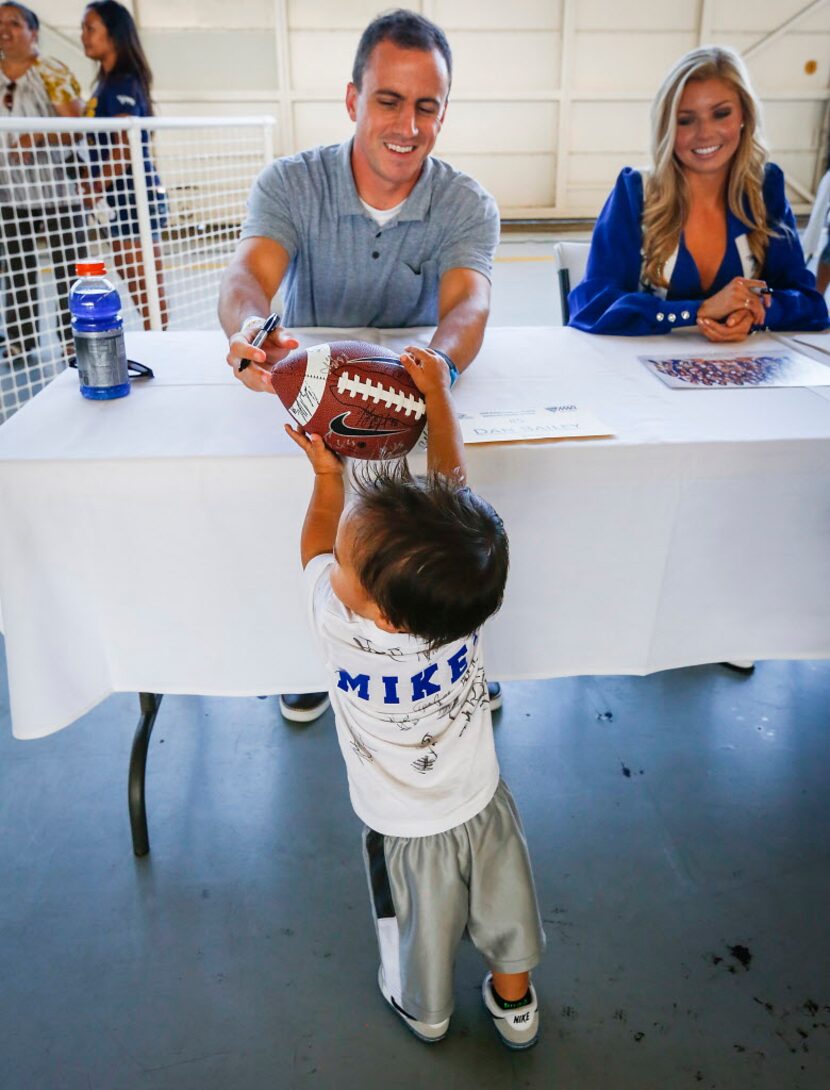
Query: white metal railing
x=164, y=248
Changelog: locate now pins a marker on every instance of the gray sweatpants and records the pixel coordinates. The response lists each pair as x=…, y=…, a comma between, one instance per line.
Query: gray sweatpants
x=427, y=890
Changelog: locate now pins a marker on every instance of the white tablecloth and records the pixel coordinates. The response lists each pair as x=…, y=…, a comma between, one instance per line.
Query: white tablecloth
x=151, y=543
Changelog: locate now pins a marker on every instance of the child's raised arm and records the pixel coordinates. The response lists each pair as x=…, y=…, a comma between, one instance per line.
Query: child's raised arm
x=445, y=446
x=326, y=504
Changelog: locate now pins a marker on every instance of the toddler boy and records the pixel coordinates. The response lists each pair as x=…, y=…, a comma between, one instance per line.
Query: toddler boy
x=399, y=584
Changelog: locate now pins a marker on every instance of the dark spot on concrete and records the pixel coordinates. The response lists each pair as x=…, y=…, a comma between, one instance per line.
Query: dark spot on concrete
x=698, y=1076
x=606, y=717
x=739, y=1048
x=767, y=1006
x=790, y=1048
x=741, y=954
x=716, y=960
x=639, y=1036
x=289, y=931
x=625, y=771
x=568, y=1012
x=620, y=1016
x=205, y=894
x=811, y=1006
x=801, y=1032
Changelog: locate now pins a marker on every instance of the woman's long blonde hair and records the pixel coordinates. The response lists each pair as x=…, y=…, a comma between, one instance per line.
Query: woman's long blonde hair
x=666, y=201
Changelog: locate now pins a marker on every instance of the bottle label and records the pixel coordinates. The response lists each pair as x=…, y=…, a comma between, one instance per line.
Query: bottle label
x=102, y=358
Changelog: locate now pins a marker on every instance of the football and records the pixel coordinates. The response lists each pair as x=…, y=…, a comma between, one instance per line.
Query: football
x=357, y=396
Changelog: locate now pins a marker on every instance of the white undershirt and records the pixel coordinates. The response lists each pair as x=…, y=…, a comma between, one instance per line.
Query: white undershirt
x=382, y=216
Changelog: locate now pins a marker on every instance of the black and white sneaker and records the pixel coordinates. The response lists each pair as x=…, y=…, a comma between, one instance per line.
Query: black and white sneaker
x=424, y=1031
x=303, y=707
x=518, y=1027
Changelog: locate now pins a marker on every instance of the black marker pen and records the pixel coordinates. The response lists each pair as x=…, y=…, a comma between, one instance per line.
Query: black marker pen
x=271, y=323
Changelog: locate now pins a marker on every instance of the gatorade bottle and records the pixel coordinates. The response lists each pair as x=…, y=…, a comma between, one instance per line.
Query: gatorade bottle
x=98, y=333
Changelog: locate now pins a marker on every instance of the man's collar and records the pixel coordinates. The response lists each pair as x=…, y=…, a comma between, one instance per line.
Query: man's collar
x=416, y=205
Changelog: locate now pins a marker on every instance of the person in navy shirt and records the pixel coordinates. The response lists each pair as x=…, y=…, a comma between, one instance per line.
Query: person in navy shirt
x=707, y=237
x=122, y=89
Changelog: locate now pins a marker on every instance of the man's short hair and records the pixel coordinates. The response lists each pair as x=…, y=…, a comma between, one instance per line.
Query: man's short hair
x=405, y=29
x=429, y=552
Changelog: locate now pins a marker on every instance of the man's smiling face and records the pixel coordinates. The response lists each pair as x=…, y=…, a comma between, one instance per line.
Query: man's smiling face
x=398, y=112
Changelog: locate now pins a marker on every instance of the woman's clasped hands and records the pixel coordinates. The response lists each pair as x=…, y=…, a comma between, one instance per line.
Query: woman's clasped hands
x=731, y=313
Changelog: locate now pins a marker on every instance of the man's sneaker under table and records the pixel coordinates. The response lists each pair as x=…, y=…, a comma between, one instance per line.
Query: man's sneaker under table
x=424, y=1031
x=494, y=692
x=303, y=707
x=518, y=1027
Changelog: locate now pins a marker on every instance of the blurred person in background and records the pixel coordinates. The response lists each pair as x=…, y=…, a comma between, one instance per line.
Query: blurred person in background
x=39, y=198
x=122, y=89
x=823, y=269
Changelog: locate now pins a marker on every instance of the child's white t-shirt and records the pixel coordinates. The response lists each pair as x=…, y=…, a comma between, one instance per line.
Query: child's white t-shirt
x=414, y=727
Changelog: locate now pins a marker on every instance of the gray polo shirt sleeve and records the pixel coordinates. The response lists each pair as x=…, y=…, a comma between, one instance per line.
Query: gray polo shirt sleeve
x=472, y=236
x=274, y=205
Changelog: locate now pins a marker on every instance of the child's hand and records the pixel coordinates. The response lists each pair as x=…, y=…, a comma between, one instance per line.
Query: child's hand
x=322, y=459
x=427, y=370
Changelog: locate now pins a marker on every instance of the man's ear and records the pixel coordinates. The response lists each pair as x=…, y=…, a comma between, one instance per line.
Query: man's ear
x=351, y=100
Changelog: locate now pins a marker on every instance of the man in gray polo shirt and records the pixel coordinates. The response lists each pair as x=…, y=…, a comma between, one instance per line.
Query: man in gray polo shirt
x=373, y=232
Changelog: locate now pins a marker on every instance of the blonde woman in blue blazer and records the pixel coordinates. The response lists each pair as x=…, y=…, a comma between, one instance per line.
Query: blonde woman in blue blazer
x=707, y=237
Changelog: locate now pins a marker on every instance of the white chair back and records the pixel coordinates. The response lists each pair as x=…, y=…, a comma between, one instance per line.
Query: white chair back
x=570, y=260
x=813, y=233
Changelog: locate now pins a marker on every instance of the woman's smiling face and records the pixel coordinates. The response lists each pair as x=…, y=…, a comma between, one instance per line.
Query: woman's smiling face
x=709, y=122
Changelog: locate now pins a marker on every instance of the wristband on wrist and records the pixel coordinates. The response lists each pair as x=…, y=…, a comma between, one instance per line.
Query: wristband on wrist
x=450, y=365
x=252, y=324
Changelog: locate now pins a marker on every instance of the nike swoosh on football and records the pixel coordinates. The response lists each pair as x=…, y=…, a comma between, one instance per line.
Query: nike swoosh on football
x=339, y=426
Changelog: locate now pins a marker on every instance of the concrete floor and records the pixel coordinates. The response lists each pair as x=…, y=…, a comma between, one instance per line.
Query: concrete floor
x=680, y=831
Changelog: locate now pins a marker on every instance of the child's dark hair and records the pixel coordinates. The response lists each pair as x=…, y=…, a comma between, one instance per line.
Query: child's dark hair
x=431, y=553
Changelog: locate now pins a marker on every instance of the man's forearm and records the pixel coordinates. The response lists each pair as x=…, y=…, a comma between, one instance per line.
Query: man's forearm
x=251, y=281
x=461, y=331
x=463, y=309
x=322, y=517
x=240, y=296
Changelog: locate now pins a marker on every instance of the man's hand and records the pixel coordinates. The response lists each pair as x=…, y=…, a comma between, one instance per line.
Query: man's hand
x=427, y=370
x=722, y=333
x=323, y=461
x=256, y=376
x=739, y=294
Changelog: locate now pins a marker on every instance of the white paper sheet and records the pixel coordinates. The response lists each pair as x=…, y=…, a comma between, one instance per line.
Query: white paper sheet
x=721, y=371
x=562, y=421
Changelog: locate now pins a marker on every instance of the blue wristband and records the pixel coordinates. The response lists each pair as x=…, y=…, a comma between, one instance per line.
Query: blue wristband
x=450, y=365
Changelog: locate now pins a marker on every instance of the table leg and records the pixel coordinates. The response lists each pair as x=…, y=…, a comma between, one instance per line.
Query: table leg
x=138, y=762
